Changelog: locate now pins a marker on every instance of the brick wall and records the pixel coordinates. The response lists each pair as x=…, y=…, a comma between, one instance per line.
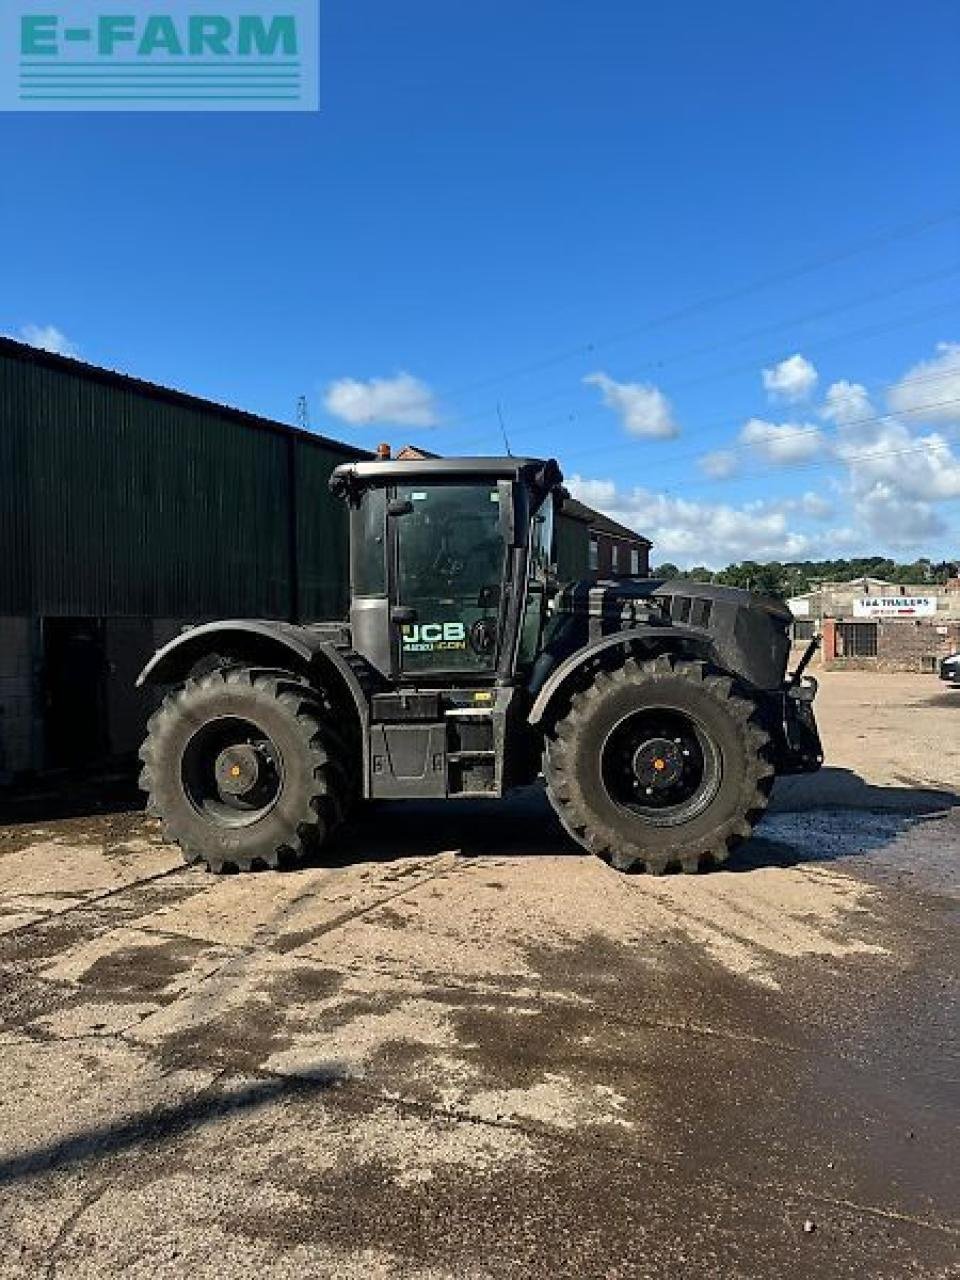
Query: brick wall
x=18, y=730
x=613, y=556
x=901, y=646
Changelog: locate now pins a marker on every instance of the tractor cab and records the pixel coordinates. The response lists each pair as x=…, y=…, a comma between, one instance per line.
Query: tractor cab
x=450, y=560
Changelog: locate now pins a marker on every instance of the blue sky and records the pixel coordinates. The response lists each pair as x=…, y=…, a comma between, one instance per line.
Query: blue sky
x=607, y=219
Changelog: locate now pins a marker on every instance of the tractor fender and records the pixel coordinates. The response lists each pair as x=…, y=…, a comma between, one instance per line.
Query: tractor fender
x=662, y=637
x=264, y=643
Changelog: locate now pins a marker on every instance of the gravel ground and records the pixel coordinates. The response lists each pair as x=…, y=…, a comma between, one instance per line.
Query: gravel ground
x=467, y=1049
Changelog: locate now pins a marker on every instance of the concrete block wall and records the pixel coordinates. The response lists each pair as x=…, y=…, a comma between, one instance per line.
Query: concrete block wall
x=129, y=643
x=909, y=646
x=18, y=727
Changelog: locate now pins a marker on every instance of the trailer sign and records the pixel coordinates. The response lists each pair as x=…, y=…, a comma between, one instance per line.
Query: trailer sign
x=895, y=607
x=100, y=55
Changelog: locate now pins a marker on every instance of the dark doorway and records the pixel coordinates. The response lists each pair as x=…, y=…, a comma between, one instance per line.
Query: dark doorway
x=75, y=691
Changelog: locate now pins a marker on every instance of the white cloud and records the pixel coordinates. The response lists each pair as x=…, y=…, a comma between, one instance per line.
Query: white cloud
x=719, y=465
x=898, y=521
x=815, y=506
x=595, y=493
x=48, y=338
x=792, y=379
x=809, y=504
x=895, y=479
x=782, y=443
x=699, y=532
x=846, y=402
x=643, y=408
x=404, y=400
x=893, y=485
x=922, y=467
x=930, y=391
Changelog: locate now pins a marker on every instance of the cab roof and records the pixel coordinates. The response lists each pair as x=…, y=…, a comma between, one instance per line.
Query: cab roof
x=537, y=471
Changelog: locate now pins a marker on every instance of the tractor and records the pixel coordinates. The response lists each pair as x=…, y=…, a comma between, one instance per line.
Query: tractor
x=657, y=713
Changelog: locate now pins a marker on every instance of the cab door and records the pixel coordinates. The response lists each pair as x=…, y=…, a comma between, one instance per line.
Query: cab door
x=449, y=571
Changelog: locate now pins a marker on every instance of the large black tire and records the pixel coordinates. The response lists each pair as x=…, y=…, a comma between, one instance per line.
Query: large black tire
x=738, y=775
x=297, y=773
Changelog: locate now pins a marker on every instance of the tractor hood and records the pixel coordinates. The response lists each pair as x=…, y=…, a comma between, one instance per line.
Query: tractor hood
x=624, y=603
x=748, y=634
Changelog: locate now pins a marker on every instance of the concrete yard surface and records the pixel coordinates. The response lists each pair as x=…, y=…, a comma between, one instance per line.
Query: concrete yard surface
x=463, y=1048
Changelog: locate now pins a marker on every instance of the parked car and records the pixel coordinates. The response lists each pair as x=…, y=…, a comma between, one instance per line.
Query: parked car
x=950, y=669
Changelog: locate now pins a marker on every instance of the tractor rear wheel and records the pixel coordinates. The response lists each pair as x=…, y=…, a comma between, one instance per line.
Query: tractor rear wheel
x=244, y=770
x=658, y=765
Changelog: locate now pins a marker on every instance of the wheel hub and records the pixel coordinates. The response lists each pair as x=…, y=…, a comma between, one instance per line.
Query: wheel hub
x=661, y=765
x=657, y=763
x=232, y=772
x=238, y=769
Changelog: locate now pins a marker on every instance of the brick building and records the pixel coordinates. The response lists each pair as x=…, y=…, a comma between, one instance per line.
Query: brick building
x=613, y=550
x=883, y=626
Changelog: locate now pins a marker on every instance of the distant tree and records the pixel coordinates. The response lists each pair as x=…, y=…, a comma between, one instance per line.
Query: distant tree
x=799, y=576
x=767, y=579
x=666, y=570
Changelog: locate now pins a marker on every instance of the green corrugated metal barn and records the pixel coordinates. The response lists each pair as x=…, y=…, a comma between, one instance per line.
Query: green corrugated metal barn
x=126, y=511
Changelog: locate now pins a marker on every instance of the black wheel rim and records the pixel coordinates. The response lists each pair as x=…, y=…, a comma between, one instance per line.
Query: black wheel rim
x=232, y=772
x=660, y=765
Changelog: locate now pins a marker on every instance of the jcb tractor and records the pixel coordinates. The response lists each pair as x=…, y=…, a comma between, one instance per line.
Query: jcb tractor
x=658, y=713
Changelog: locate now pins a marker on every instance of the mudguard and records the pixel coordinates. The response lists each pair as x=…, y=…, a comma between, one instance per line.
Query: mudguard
x=279, y=644
x=175, y=659
x=682, y=639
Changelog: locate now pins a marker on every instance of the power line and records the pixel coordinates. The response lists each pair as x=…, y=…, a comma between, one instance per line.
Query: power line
x=808, y=432
x=903, y=231
x=623, y=445
x=815, y=345
x=879, y=454
x=801, y=432
x=875, y=455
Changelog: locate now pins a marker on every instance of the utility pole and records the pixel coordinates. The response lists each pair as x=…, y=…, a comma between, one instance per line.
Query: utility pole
x=303, y=413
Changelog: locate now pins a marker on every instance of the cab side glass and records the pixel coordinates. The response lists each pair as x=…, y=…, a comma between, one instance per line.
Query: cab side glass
x=369, y=566
x=538, y=577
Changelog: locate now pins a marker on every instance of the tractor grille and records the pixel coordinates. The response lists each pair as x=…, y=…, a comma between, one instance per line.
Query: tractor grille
x=694, y=611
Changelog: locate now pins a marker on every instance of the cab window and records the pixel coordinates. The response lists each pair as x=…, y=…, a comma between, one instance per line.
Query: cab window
x=450, y=565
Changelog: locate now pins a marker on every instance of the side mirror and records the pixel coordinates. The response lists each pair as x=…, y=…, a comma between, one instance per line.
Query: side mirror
x=399, y=507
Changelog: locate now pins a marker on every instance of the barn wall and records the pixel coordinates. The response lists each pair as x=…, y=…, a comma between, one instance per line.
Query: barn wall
x=127, y=511
x=123, y=504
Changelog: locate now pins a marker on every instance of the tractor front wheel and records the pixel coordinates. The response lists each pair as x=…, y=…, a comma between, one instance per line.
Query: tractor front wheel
x=244, y=770
x=659, y=764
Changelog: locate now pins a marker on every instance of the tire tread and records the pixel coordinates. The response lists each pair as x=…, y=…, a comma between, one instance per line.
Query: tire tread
x=589, y=829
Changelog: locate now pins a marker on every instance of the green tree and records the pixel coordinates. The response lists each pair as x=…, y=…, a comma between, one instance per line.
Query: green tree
x=766, y=579
x=666, y=570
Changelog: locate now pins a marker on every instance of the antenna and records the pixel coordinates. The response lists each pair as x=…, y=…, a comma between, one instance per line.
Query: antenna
x=503, y=429
x=303, y=413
